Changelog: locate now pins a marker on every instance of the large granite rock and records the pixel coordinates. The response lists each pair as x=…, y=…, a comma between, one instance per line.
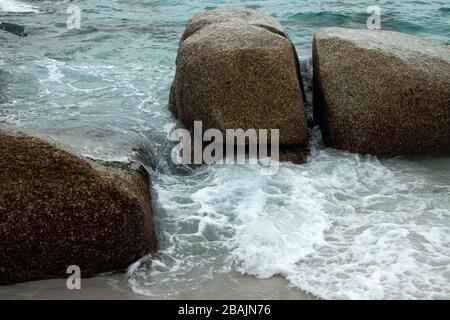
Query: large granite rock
x=58, y=209
x=381, y=92
x=237, y=68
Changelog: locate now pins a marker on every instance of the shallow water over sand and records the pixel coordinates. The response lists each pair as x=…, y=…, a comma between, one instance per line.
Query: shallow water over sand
x=229, y=286
x=340, y=226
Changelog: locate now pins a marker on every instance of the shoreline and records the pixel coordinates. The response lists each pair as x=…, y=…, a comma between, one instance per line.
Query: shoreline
x=228, y=286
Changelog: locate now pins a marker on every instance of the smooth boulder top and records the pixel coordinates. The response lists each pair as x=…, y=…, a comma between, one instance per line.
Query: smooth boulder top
x=401, y=45
x=232, y=15
x=232, y=36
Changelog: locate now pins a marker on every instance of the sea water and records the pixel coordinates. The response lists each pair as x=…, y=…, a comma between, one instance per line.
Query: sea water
x=340, y=226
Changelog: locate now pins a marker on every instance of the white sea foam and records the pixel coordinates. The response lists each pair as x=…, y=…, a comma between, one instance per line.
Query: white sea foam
x=341, y=226
x=16, y=6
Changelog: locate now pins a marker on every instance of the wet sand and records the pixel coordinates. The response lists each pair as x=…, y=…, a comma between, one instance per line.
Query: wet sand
x=114, y=287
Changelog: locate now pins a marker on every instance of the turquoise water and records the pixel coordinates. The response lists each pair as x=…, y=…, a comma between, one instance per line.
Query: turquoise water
x=341, y=226
x=124, y=54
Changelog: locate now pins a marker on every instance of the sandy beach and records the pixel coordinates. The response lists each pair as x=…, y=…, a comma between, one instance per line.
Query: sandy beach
x=230, y=286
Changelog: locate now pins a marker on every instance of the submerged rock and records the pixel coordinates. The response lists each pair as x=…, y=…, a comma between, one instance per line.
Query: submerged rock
x=381, y=92
x=58, y=209
x=237, y=68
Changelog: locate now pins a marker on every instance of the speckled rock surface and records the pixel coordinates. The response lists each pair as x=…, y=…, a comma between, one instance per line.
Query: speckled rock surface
x=382, y=92
x=236, y=68
x=58, y=209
